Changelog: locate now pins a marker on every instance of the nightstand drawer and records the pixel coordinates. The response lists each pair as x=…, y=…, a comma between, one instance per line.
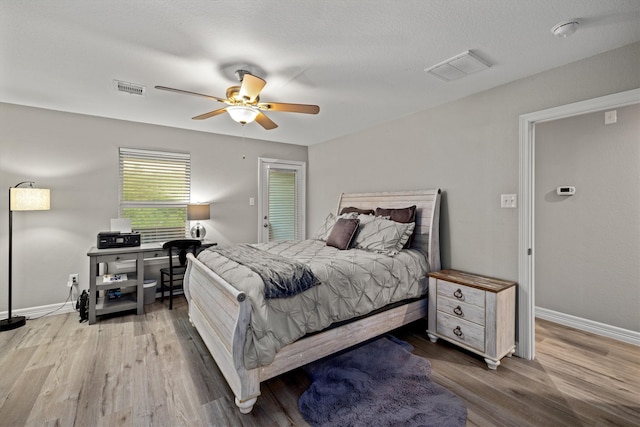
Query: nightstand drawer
x=461, y=293
x=461, y=331
x=461, y=310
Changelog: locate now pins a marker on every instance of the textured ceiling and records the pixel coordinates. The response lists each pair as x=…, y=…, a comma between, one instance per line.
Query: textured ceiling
x=362, y=62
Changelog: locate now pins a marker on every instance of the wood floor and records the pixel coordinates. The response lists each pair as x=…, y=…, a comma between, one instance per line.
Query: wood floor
x=153, y=370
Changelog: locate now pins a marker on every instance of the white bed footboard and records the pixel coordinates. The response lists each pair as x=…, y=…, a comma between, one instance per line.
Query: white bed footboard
x=221, y=314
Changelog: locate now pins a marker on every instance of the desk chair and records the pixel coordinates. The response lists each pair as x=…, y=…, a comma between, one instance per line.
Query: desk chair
x=175, y=273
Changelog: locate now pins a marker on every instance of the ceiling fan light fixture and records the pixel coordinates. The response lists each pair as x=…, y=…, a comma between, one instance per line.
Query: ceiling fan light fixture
x=242, y=114
x=243, y=103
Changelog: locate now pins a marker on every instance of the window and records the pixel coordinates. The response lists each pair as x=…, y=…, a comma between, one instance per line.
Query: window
x=155, y=188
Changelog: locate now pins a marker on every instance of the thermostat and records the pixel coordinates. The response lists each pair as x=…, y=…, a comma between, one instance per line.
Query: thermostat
x=566, y=191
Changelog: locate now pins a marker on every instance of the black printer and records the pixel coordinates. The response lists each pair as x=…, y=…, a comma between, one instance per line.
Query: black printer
x=116, y=239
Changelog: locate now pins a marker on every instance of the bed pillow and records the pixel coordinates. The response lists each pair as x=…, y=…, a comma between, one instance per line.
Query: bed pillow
x=350, y=209
x=327, y=225
x=383, y=236
x=367, y=218
x=342, y=233
x=403, y=215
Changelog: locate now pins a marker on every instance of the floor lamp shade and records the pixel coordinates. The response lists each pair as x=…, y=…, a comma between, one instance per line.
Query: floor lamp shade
x=29, y=199
x=198, y=212
x=21, y=199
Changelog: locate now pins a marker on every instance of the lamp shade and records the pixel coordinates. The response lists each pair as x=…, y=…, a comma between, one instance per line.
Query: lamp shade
x=198, y=211
x=29, y=199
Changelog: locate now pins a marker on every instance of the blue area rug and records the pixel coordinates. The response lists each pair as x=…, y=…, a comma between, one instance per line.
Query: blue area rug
x=379, y=383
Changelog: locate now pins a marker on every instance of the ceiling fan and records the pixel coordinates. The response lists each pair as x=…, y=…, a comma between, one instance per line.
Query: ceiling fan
x=243, y=102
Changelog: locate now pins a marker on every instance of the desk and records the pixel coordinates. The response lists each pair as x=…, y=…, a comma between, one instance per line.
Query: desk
x=133, y=301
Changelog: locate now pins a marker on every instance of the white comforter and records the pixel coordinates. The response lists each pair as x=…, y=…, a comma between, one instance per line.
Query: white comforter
x=353, y=283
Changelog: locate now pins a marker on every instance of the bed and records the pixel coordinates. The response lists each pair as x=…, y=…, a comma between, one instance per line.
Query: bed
x=222, y=309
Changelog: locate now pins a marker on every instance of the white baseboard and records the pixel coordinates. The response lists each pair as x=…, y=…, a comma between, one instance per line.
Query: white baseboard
x=620, y=334
x=42, y=311
x=60, y=308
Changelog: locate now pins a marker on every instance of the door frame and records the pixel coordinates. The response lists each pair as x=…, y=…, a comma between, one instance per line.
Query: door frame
x=264, y=162
x=526, y=244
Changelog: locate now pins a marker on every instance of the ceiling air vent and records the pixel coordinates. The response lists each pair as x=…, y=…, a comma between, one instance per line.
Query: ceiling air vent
x=130, y=88
x=459, y=66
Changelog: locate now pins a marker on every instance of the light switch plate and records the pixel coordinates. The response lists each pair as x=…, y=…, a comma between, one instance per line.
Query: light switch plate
x=508, y=200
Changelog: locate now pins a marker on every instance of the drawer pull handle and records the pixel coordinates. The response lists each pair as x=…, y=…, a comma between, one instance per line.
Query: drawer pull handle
x=458, y=311
x=458, y=332
x=458, y=294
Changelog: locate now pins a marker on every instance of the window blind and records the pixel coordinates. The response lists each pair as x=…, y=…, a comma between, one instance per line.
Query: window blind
x=155, y=188
x=283, y=205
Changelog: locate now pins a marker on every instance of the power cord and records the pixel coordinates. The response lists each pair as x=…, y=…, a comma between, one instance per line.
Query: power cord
x=53, y=311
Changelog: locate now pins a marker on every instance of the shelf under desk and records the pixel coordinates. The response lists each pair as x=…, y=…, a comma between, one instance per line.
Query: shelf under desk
x=133, y=301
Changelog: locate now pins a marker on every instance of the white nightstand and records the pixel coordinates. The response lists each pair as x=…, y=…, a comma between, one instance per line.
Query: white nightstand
x=473, y=312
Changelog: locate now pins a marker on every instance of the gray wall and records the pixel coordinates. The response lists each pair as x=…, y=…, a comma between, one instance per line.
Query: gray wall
x=76, y=157
x=469, y=148
x=588, y=245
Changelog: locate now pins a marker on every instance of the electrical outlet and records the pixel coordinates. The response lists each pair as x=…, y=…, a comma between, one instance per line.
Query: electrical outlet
x=73, y=280
x=508, y=201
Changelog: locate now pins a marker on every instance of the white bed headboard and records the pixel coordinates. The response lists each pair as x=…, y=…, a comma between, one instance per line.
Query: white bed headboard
x=427, y=214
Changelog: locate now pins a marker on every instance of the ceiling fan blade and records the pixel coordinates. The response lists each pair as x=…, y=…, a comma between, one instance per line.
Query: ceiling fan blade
x=251, y=87
x=210, y=114
x=170, y=89
x=291, y=108
x=265, y=121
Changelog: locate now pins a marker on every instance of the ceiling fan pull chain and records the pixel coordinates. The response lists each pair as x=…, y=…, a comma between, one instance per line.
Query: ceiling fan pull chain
x=243, y=143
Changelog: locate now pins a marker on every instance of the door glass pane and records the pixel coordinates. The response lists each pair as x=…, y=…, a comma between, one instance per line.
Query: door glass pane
x=282, y=205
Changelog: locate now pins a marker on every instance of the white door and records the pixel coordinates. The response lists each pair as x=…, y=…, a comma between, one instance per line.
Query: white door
x=282, y=200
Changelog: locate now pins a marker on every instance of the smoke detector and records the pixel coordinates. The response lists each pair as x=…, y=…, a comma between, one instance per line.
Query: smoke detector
x=130, y=88
x=565, y=28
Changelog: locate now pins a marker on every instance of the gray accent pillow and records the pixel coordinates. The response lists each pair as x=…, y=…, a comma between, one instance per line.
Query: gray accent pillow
x=342, y=233
x=383, y=236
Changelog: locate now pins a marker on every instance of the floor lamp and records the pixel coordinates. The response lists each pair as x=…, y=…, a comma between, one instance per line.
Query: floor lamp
x=21, y=199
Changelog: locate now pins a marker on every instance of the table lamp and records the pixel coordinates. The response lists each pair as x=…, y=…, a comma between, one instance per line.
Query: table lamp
x=21, y=199
x=198, y=212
